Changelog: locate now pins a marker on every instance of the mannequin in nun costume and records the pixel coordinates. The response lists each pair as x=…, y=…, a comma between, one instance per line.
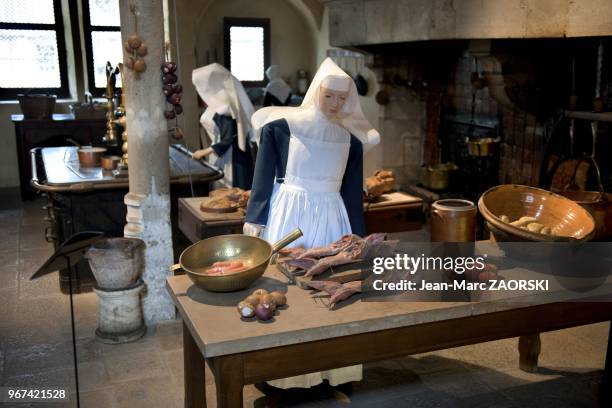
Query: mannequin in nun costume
x=277, y=92
x=227, y=121
x=309, y=174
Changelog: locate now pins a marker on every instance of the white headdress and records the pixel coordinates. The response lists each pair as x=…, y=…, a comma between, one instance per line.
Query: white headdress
x=224, y=95
x=277, y=86
x=351, y=117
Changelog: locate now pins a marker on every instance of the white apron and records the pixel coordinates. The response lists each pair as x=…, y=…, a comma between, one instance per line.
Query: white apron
x=309, y=198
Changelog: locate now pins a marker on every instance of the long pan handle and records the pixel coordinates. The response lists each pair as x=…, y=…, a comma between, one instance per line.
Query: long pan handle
x=286, y=240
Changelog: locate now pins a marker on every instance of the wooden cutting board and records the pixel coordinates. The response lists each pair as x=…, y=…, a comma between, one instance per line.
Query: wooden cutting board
x=396, y=198
x=193, y=203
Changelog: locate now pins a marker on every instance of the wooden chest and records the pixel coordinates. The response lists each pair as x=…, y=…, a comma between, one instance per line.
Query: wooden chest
x=393, y=212
x=197, y=224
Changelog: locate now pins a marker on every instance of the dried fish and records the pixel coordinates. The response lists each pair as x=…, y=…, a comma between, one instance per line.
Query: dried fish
x=345, y=291
x=329, y=287
x=291, y=252
x=350, y=254
x=301, y=263
x=331, y=249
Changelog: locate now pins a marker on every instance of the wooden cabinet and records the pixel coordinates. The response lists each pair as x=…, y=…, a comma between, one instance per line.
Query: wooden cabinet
x=31, y=133
x=393, y=212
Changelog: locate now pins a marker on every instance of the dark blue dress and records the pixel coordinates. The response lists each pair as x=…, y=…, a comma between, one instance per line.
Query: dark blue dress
x=271, y=162
x=242, y=161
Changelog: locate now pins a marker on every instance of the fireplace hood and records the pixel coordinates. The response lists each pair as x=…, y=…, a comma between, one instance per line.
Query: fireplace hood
x=355, y=23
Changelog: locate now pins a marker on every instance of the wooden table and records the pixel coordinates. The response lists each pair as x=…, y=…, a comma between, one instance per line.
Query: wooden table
x=307, y=337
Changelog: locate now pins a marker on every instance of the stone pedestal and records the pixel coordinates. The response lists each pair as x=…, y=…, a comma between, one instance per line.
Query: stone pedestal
x=120, y=314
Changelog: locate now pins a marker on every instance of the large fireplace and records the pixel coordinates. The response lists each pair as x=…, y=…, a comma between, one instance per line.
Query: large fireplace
x=504, y=99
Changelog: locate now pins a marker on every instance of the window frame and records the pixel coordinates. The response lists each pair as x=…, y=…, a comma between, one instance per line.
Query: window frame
x=264, y=23
x=58, y=26
x=88, y=39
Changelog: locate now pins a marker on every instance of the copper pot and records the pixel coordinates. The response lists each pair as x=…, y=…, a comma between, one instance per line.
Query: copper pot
x=110, y=162
x=437, y=176
x=453, y=220
x=598, y=204
x=483, y=147
x=90, y=156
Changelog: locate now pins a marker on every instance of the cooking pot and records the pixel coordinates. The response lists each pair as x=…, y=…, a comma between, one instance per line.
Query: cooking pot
x=90, y=156
x=482, y=147
x=255, y=252
x=437, y=175
x=110, y=162
x=598, y=204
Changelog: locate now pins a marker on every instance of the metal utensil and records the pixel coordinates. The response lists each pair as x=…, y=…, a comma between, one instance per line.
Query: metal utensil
x=253, y=251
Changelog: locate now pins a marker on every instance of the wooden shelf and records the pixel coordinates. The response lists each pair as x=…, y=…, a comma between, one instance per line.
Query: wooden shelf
x=586, y=115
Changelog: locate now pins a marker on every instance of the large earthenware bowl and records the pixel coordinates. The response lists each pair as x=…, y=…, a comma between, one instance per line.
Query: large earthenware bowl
x=567, y=220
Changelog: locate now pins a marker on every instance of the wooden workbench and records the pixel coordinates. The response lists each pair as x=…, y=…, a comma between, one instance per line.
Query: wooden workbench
x=307, y=337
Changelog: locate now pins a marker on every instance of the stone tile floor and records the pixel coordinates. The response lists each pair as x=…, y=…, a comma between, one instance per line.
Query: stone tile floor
x=36, y=351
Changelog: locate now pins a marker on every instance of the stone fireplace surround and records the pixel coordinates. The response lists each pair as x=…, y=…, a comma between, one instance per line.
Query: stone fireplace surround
x=423, y=58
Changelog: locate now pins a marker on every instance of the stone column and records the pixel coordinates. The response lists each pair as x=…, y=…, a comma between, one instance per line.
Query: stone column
x=148, y=201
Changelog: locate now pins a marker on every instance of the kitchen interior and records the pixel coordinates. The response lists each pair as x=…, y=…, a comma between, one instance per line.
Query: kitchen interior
x=467, y=96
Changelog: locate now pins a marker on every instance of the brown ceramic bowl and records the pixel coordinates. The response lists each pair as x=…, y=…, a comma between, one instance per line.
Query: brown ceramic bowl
x=566, y=218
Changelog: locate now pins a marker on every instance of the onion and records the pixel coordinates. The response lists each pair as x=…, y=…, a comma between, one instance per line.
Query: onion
x=279, y=298
x=246, y=309
x=134, y=41
x=169, y=79
x=174, y=99
x=260, y=292
x=168, y=89
x=264, y=312
x=253, y=299
x=142, y=50
x=140, y=65
x=268, y=299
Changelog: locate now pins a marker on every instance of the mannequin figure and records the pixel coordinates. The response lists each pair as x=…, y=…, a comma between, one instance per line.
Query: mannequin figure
x=226, y=120
x=309, y=174
x=277, y=92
